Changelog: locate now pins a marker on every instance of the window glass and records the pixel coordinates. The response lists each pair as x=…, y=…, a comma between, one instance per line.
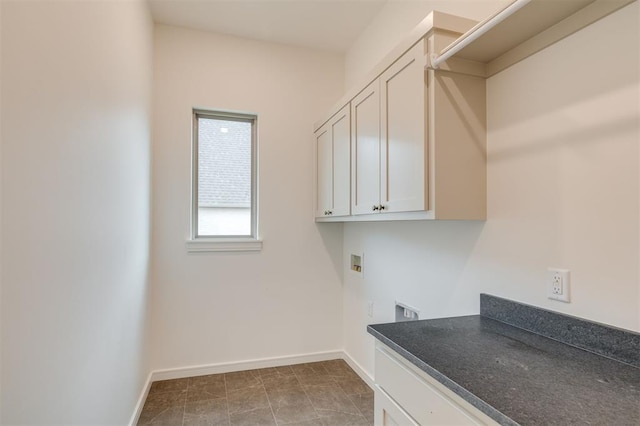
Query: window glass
x=224, y=176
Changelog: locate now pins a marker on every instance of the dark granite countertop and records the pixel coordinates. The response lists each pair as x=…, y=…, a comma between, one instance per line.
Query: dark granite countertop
x=515, y=376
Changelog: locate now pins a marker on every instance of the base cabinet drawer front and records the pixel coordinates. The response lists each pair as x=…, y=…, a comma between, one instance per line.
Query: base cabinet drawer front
x=421, y=400
x=388, y=413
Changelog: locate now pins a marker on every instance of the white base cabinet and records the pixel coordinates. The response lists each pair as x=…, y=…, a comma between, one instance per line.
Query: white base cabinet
x=405, y=395
x=388, y=413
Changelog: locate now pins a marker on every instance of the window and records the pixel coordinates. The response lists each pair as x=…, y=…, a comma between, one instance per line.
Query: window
x=224, y=187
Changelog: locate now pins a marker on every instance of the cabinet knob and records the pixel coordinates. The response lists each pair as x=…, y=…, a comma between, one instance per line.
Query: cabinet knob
x=375, y=208
x=329, y=212
x=382, y=207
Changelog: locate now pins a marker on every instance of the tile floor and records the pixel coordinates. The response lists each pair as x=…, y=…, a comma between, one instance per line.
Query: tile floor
x=320, y=393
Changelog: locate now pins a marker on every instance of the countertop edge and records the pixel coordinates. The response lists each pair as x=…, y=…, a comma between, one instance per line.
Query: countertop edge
x=471, y=398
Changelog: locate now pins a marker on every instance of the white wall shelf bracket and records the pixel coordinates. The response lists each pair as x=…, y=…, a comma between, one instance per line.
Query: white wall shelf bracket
x=431, y=59
x=476, y=32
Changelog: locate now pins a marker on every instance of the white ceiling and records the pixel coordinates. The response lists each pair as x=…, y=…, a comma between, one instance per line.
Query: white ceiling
x=331, y=25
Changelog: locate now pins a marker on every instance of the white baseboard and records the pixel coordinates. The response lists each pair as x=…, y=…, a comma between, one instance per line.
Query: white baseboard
x=228, y=367
x=141, y=400
x=359, y=370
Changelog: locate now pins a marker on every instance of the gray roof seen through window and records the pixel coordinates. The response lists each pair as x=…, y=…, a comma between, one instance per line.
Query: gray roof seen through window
x=224, y=163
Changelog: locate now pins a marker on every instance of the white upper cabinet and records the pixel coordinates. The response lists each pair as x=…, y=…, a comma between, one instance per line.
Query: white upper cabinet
x=333, y=146
x=341, y=134
x=365, y=153
x=418, y=137
x=324, y=175
x=388, y=156
x=403, y=157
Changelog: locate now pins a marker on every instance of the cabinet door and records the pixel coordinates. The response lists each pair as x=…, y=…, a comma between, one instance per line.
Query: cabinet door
x=341, y=137
x=324, y=171
x=403, y=183
x=365, y=150
x=388, y=413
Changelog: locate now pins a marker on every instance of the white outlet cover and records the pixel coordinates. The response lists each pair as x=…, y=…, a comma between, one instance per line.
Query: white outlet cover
x=563, y=274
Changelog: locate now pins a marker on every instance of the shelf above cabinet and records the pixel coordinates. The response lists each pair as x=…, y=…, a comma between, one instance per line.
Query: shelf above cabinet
x=521, y=29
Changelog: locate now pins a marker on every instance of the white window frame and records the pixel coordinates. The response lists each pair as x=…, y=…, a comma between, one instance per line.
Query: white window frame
x=251, y=242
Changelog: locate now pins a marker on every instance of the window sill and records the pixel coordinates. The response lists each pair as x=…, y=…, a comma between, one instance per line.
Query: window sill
x=223, y=244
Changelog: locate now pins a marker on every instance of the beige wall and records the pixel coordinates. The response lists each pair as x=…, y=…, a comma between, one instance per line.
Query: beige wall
x=562, y=192
x=76, y=92
x=1, y=254
x=226, y=307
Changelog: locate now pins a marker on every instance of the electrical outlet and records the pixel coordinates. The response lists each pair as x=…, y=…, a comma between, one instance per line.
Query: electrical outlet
x=558, y=284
